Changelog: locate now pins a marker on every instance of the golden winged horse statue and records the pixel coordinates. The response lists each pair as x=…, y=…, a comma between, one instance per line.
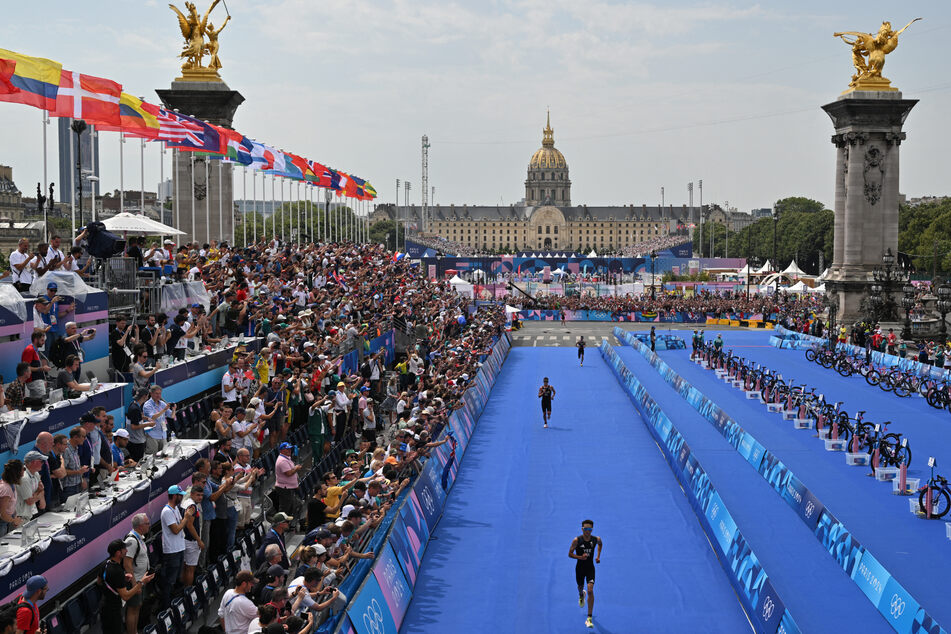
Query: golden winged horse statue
x=194, y=29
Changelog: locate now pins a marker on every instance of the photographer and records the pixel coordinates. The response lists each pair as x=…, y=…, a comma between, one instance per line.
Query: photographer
x=122, y=337
x=136, y=563
x=118, y=587
x=21, y=265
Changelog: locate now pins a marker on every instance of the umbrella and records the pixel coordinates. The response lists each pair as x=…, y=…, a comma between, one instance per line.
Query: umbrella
x=139, y=224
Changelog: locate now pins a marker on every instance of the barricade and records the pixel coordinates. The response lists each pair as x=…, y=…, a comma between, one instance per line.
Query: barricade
x=401, y=540
x=831, y=533
x=760, y=600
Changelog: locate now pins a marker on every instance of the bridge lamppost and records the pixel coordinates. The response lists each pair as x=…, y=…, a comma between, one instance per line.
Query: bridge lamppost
x=907, y=302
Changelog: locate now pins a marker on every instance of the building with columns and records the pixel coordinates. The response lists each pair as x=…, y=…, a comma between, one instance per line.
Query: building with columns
x=545, y=218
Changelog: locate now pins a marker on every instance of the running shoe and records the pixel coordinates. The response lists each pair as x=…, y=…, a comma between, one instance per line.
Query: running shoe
x=588, y=622
x=581, y=601
x=546, y=425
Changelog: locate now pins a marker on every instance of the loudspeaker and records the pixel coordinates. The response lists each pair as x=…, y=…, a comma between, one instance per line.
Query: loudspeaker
x=102, y=243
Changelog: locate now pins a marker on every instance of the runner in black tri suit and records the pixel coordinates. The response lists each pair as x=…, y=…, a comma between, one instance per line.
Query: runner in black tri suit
x=546, y=393
x=582, y=550
x=581, y=344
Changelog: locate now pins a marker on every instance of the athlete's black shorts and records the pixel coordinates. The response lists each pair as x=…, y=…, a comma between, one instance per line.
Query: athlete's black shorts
x=580, y=352
x=584, y=573
x=546, y=405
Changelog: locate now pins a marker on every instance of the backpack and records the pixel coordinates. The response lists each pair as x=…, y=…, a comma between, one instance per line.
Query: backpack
x=16, y=605
x=58, y=353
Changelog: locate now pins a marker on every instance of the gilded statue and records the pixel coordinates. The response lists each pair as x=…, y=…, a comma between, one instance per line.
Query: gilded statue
x=194, y=29
x=868, y=55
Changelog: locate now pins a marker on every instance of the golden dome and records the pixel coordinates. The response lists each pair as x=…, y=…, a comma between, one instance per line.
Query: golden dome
x=547, y=156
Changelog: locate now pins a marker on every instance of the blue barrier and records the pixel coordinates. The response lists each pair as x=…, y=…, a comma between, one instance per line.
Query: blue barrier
x=878, y=585
x=382, y=598
x=763, y=606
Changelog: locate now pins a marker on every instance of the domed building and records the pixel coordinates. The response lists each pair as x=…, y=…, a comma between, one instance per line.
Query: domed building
x=547, y=181
x=545, y=219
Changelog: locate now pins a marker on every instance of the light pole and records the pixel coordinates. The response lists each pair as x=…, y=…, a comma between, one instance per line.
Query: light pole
x=775, y=261
x=327, y=196
x=653, y=285
x=907, y=302
x=78, y=126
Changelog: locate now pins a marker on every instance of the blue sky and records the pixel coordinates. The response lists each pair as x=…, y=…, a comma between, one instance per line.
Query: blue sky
x=642, y=95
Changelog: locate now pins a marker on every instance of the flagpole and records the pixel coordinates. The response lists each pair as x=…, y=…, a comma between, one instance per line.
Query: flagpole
x=161, y=178
x=244, y=195
x=221, y=205
x=92, y=168
x=193, y=238
x=121, y=174
x=207, y=202
x=72, y=190
x=298, y=213
x=142, y=180
x=283, y=235
x=273, y=212
x=175, y=161
x=254, y=211
x=49, y=204
x=231, y=204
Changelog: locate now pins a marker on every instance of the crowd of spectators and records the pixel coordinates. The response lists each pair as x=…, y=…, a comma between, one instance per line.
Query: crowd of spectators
x=310, y=305
x=643, y=249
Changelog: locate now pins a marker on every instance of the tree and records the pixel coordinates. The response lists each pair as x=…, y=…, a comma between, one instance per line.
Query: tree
x=385, y=232
x=798, y=204
x=925, y=231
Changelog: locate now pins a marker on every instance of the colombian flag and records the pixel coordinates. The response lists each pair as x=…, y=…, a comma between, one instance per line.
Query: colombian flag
x=137, y=118
x=33, y=81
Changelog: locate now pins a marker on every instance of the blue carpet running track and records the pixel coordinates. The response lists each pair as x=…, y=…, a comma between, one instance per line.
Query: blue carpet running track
x=499, y=561
x=914, y=550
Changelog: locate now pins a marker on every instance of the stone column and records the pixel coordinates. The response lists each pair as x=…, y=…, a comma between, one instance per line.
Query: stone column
x=214, y=102
x=867, y=136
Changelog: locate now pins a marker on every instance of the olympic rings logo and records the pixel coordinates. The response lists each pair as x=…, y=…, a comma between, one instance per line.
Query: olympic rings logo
x=768, y=607
x=898, y=606
x=373, y=618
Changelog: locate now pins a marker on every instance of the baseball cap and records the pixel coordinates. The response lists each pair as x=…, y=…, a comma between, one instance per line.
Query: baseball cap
x=339, y=383
x=286, y=445
x=276, y=571
x=52, y=285
x=196, y=305
x=175, y=490
x=34, y=583
x=319, y=548
x=34, y=455
x=121, y=433
x=282, y=517
x=349, y=452
x=345, y=511
x=255, y=402
x=364, y=389
x=323, y=534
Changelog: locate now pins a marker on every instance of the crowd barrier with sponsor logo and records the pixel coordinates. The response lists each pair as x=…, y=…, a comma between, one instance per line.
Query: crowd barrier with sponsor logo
x=878, y=585
x=762, y=604
x=798, y=341
x=380, y=603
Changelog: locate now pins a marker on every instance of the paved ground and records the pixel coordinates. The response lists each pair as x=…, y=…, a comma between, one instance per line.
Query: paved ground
x=553, y=334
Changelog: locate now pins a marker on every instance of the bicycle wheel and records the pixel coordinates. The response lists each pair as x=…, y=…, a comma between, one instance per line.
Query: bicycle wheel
x=886, y=383
x=844, y=368
x=873, y=377
x=940, y=501
x=902, y=389
x=932, y=398
x=810, y=355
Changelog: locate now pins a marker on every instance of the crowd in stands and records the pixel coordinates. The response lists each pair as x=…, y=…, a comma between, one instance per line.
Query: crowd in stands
x=710, y=304
x=639, y=249
x=309, y=304
x=643, y=249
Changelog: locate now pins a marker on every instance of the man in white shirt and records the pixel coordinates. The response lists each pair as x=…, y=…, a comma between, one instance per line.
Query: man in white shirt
x=173, y=541
x=54, y=255
x=20, y=265
x=236, y=610
x=30, y=488
x=136, y=563
x=229, y=390
x=157, y=410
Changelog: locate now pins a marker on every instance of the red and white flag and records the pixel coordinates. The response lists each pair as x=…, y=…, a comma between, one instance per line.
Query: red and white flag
x=94, y=99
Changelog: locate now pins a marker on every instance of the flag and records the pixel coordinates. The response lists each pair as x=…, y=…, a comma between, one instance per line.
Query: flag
x=369, y=191
x=358, y=183
x=237, y=147
x=136, y=118
x=329, y=179
x=261, y=156
x=33, y=81
x=339, y=280
x=314, y=171
x=449, y=461
x=94, y=99
x=197, y=135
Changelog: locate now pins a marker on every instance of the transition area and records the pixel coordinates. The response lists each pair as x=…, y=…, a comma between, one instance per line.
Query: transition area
x=499, y=558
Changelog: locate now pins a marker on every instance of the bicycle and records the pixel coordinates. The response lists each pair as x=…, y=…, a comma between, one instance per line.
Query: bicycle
x=936, y=492
x=892, y=451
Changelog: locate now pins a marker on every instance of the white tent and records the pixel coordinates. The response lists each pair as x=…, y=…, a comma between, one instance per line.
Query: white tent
x=744, y=271
x=139, y=224
x=823, y=275
x=457, y=280
x=766, y=268
x=511, y=309
x=798, y=287
x=818, y=289
x=593, y=254
x=793, y=270
x=461, y=286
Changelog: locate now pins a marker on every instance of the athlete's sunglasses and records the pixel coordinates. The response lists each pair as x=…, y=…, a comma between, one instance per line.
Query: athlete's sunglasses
x=586, y=529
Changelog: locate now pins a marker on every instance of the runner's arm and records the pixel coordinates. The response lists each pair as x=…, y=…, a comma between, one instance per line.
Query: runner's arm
x=597, y=558
x=571, y=550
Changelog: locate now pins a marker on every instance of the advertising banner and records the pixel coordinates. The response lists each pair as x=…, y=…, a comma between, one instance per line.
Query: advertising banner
x=393, y=585
x=368, y=611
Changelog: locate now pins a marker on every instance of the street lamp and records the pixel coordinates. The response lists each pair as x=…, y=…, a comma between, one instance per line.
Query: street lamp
x=775, y=261
x=653, y=285
x=79, y=126
x=833, y=304
x=328, y=234
x=944, y=304
x=907, y=302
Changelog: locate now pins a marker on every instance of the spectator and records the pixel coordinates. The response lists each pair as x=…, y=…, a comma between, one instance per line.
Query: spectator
x=310, y=581
x=17, y=390
x=136, y=425
x=74, y=480
x=66, y=378
x=221, y=484
x=136, y=563
x=157, y=411
x=28, y=605
x=193, y=542
x=71, y=263
x=272, y=557
x=32, y=355
x=140, y=376
x=117, y=588
x=200, y=478
x=173, y=541
x=44, y=444
x=55, y=255
x=275, y=579
x=122, y=338
x=120, y=449
x=31, y=498
x=179, y=336
x=243, y=469
x=9, y=481
x=236, y=610
x=275, y=535
x=71, y=343
x=57, y=467
x=286, y=481
x=21, y=261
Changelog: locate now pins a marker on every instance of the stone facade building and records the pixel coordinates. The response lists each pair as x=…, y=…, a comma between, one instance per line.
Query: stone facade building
x=546, y=219
x=11, y=201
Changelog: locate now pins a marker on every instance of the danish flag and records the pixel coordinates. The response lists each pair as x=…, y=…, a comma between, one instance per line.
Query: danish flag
x=86, y=97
